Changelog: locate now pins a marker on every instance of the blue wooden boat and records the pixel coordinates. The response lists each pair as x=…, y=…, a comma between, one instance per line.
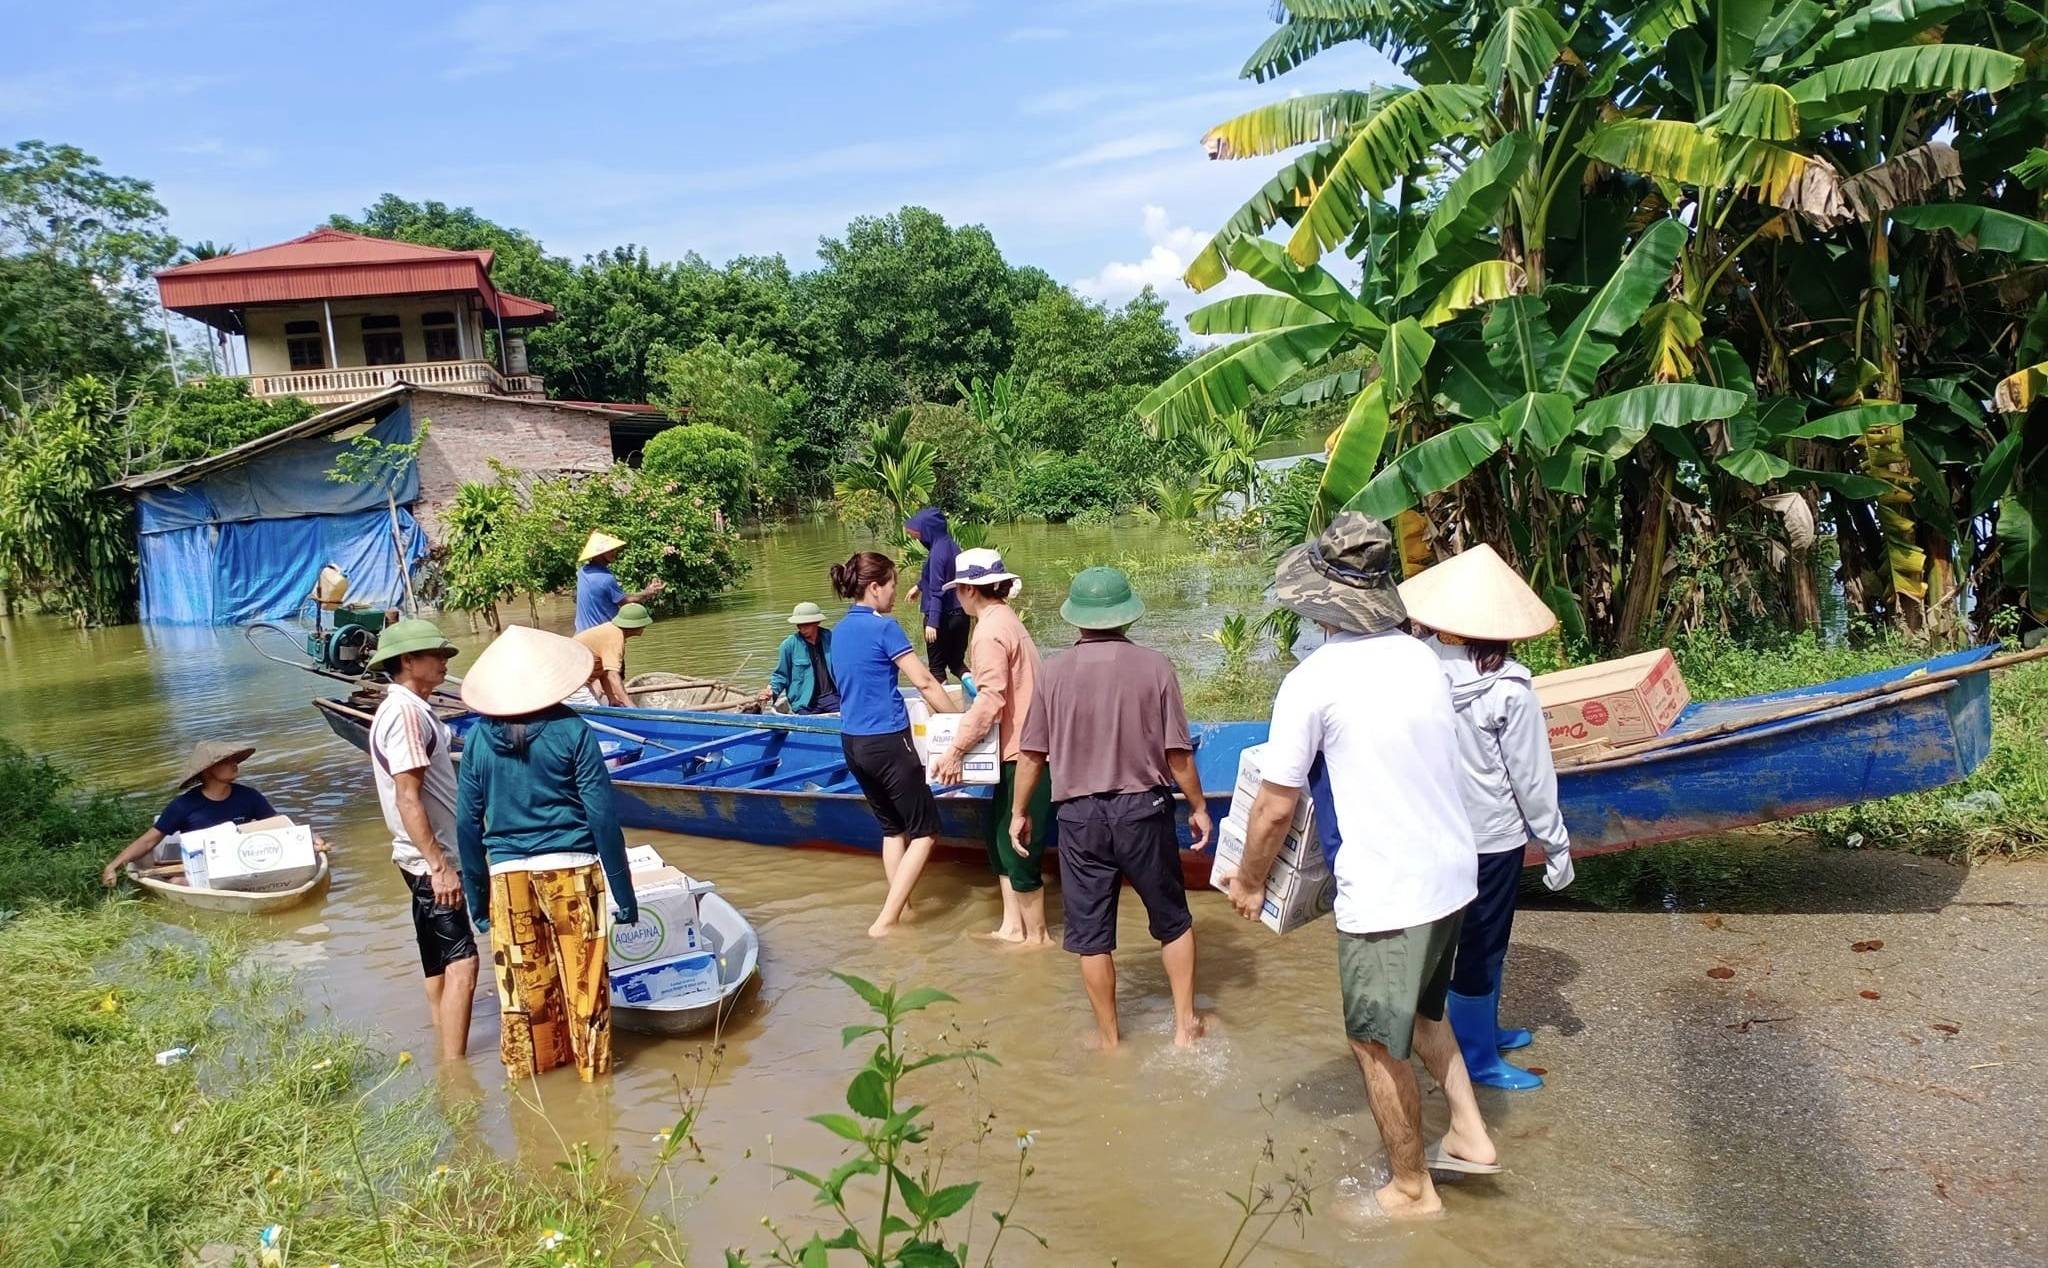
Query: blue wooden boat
x=1725, y=764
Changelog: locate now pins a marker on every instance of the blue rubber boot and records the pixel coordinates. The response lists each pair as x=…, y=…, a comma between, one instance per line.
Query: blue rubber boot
x=1506, y=1039
x=1472, y=1019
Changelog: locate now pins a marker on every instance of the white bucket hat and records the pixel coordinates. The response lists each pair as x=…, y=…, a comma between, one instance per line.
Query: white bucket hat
x=1475, y=595
x=983, y=567
x=524, y=671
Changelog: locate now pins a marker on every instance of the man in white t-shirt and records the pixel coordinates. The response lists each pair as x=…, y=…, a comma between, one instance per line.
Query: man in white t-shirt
x=412, y=758
x=1373, y=704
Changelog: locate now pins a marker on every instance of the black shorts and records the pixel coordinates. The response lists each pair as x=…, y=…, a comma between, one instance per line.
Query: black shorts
x=948, y=654
x=1110, y=838
x=442, y=932
x=888, y=771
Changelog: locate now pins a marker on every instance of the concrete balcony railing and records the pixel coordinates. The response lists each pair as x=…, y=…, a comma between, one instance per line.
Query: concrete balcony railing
x=353, y=383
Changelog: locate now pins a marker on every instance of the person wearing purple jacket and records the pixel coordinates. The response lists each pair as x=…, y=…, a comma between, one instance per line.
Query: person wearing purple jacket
x=945, y=621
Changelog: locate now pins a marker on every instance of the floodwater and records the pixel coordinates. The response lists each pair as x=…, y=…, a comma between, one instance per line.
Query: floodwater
x=1624, y=1160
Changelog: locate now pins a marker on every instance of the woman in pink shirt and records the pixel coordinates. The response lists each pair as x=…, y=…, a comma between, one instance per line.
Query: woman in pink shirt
x=1004, y=662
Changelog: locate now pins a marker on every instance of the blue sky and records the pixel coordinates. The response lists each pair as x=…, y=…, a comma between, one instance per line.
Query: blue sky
x=1070, y=128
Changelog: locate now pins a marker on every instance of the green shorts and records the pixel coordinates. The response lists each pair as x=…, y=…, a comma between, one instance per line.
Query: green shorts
x=1026, y=871
x=1391, y=978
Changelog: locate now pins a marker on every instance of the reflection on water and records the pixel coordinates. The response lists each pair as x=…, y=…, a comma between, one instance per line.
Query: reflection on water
x=1135, y=1150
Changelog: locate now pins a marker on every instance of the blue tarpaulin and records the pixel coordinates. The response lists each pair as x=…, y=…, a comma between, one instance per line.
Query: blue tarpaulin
x=245, y=543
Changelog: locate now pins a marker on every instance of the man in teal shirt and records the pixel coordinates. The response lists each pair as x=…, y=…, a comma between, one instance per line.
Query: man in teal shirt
x=803, y=667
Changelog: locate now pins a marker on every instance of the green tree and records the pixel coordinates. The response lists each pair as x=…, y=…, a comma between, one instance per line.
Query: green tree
x=205, y=416
x=65, y=540
x=77, y=245
x=716, y=462
x=1081, y=366
x=1615, y=291
x=742, y=386
x=930, y=302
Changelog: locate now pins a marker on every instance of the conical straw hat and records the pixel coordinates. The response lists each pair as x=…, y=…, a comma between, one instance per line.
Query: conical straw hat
x=598, y=543
x=1476, y=595
x=207, y=754
x=524, y=671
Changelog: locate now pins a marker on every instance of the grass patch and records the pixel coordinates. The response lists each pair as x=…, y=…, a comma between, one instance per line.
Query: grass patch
x=108, y=1158
x=56, y=837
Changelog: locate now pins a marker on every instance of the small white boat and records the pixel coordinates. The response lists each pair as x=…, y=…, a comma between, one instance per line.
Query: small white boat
x=738, y=949
x=168, y=881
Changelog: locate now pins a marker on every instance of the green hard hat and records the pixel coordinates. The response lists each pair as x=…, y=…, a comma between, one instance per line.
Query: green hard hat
x=410, y=635
x=633, y=616
x=807, y=613
x=1101, y=598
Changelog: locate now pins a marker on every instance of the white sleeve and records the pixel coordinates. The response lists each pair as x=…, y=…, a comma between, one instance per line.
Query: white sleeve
x=1295, y=737
x=1532, y=774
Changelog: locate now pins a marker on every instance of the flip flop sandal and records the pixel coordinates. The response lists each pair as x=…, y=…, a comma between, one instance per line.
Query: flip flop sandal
x=1440, y=1158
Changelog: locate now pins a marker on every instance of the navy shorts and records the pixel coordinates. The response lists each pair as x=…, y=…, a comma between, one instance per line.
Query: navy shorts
x=442, y=932
x=1108, y=839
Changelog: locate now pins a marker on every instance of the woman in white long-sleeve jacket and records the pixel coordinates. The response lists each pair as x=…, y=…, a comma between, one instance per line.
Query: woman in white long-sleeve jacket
x=1474, y=607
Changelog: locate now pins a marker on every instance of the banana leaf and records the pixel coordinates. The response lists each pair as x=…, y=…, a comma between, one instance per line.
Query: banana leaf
x=1574, y=363
x=1226, y=379
x=1357, y=447
x=1429, y=466
x=1982, y=228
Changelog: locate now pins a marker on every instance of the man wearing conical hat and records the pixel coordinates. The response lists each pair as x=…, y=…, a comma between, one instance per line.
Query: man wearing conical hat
x=1373, y=705
x=599, y=596
x=1474, y=607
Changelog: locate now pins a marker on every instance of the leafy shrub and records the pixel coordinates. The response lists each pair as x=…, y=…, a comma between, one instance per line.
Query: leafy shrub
x=715, y=461
x=517, y=535
x=208, y=415
x=62, y=539
x=55, y=838
x=1062, y=487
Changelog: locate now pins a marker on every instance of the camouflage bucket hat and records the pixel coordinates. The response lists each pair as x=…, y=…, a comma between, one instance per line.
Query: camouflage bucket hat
x=1344, y=579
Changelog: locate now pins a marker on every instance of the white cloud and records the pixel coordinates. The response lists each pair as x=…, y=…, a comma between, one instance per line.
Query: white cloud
x=1035, y=34
x=1172, y=249
x=1142, y=145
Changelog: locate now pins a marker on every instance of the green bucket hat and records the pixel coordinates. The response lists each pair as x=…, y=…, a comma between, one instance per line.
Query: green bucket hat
x=807, y=613
x=1101, y=598
x=410, y=635
x=1345, y=578
x=633, y=616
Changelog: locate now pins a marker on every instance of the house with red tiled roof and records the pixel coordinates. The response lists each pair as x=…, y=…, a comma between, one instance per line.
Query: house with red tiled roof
x=333, y=317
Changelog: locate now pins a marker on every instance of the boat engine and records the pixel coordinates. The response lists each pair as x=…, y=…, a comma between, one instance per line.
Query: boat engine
x=347, y=646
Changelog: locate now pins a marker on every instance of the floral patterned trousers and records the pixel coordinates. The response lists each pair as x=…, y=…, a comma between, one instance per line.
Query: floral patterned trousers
x=548, y=932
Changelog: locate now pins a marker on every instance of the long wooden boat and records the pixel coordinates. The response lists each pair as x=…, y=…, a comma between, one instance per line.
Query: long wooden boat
x=1725, y=764
x=168, y=882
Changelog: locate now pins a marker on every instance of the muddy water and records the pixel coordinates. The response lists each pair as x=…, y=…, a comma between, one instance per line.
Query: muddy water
x=1135, y=1150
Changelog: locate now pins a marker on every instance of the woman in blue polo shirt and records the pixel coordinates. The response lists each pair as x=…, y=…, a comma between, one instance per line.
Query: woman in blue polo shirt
x=868, y=651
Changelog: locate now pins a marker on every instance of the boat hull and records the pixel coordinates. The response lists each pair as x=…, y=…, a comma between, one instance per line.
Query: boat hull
x=235, y=901
x=1726, y=764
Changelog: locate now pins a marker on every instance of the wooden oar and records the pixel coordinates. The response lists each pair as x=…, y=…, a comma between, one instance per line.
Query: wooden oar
x=1806, y=705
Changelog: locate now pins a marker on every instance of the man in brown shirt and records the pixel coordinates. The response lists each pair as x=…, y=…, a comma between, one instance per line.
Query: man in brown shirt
x=607, y=644
x=1107, y=719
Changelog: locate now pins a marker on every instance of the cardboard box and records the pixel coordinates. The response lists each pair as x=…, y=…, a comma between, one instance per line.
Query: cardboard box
x=1612, y=702
x=1302, y=848
x=680, y=980
x=1295, y=896
x=982, y=764
x=258, y=858
x=921, y=717
x=667, y=926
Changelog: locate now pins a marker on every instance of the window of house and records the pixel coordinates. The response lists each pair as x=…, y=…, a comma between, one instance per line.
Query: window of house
x=439, y=330
x=303, y=343
x=382, y=342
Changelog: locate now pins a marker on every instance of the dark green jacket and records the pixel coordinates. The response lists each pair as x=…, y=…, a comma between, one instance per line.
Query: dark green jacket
x=536, y=785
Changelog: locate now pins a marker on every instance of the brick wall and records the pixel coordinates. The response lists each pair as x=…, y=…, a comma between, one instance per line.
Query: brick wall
x=468, y=431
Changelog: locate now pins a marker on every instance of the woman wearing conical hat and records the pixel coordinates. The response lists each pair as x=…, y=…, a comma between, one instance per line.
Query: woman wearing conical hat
x=1474, y=608
x=599, y=596
x=539, y=841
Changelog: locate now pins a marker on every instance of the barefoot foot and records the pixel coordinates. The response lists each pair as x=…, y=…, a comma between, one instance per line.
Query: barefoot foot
x=881, y=929
x=1401, y=1206
x=1004, y=935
